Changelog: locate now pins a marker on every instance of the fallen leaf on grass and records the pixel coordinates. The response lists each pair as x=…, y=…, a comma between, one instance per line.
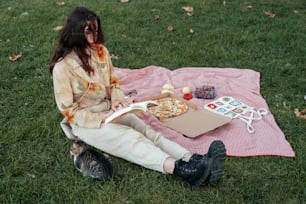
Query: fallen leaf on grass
x=157, y=17
x=60, y=3
x=170, y=28
x=57, y=28
x=270, y=14
x=249, y=7
x=124, y=1
x=300, y=114
x=31, y=175
x=114, y=56
x=24, y=13
x=188, y=10
x=15, y=57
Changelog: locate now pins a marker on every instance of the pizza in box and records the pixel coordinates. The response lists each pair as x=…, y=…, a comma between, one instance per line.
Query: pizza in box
x=168, y=108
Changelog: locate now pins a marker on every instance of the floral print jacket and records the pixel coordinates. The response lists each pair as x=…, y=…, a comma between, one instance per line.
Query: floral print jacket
x=85, y=99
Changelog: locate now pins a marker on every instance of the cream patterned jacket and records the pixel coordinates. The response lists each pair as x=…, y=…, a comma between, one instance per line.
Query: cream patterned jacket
x=82, y=98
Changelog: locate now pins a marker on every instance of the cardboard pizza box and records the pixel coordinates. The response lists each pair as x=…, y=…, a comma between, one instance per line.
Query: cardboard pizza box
x=194, y=122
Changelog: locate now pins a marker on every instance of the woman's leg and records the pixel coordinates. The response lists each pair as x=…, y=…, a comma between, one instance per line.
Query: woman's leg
x=124, y=142
x=171, y=148
x=129, y=144
x=211, y=165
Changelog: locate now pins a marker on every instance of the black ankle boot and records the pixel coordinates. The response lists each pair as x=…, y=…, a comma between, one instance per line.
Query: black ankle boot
x=194, y=173
x=214, y=158
x=196, y=157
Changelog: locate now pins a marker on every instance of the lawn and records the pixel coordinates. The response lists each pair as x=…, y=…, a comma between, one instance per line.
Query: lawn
x=35, y=164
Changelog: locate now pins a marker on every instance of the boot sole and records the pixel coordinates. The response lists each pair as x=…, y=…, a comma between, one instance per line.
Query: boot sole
x=217, y=152
x=215, y=159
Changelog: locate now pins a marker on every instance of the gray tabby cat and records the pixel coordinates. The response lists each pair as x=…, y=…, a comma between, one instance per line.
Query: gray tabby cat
x=91, y=162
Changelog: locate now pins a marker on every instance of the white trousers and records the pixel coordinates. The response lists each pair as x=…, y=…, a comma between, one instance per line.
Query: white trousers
x=131, y=139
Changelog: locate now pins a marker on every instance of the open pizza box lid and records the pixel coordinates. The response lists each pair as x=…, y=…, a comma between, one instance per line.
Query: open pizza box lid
x=194, y=122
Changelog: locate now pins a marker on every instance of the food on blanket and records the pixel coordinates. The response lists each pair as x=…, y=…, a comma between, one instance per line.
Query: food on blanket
x=168, y=108
x=205, y=91
x=187, y=93
x=167, y=88
x=187, y=96
x=186, y=90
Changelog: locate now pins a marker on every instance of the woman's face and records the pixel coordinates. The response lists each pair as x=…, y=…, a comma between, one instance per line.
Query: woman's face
x=91, y=32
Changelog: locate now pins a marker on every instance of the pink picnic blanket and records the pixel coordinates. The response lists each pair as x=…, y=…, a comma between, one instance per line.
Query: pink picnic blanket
x=242, y=84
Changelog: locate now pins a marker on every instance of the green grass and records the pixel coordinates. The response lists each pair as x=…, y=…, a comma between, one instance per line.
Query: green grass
x=35, y=166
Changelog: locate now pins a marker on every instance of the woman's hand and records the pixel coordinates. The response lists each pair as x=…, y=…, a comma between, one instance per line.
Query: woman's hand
x=118, y=104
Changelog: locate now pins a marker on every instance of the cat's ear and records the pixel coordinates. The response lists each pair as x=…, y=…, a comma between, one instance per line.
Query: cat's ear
x=82, y=144
x=86, y=146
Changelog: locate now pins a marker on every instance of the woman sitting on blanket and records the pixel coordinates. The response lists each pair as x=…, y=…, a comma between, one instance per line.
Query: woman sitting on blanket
x=87, y=91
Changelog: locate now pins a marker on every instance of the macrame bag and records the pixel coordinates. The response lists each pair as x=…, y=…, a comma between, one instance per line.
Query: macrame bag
x=233, y=108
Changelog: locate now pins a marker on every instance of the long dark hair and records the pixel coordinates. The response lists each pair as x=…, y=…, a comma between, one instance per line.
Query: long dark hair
x=72, y=37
